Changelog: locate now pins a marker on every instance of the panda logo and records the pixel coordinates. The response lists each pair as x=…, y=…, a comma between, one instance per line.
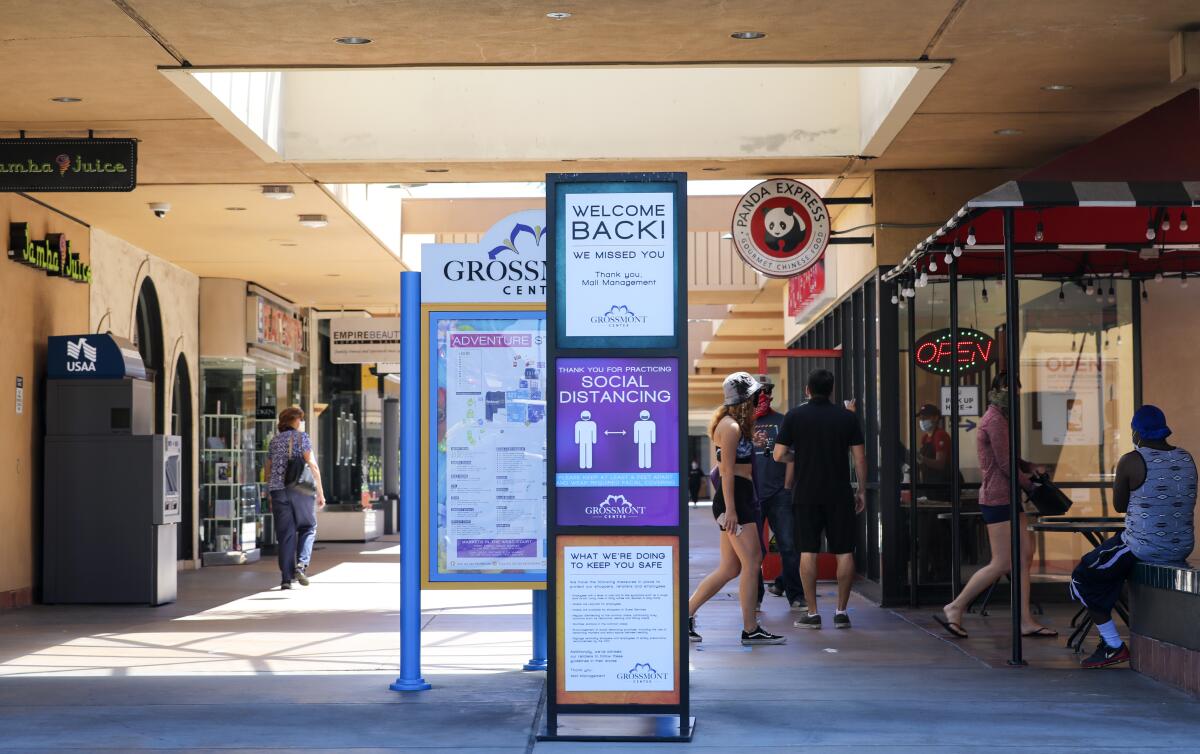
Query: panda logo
x=784, y=229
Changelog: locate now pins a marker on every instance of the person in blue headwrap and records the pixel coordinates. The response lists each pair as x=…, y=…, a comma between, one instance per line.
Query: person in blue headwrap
x=1155, y=487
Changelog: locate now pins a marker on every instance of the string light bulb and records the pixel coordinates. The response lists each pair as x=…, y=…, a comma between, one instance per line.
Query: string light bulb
x=1183, y=223
x=983, y=293
x=1062, y=297
x=1150, y=231
x=1158, y=276
x=932, y=266
x=1039, y=233
x=1166, y=221
x=948, y=259
x=1145, y=295
x=1183, y=280
x=957, y=250
x=971, y=236
x=1112, y=293
x=1088, y=288
x=895, y=299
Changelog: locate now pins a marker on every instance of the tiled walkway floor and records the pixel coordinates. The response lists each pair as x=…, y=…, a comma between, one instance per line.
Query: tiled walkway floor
x=236, y=665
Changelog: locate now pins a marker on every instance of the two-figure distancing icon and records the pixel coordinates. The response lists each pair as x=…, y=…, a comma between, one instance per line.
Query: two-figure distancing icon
x=585, y=437
x=587, y=434
x=645, y=437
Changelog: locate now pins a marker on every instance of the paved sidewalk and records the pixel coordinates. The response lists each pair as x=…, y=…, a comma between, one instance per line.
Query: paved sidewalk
x=237, y=665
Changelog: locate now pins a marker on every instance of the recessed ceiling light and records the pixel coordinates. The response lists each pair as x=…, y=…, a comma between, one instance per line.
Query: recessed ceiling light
x=712, y=169
x=333, y=274
x=289, y=244
x=66, y=99
x=278, y=192
x=1058, y=87
x=235, y=209
x=1008, y=132
x=558, y=15
x=437, y=170
x=748, y=34
x=353, y=40
x=314, y=221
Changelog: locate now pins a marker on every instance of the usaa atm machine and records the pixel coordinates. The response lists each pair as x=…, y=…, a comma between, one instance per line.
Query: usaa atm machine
x=112, y=496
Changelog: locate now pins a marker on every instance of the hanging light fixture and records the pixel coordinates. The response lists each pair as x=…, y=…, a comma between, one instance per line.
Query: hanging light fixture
x=932, y=265
x=1087, y=287
x=1062, y=297
x=957, y=250
x=1112, y=293
x=1183, y=223
x=1039, y=233
x=948, y=259
x=1166, y=220
x=1150, y=230
x=983, y=292
x=971, y=236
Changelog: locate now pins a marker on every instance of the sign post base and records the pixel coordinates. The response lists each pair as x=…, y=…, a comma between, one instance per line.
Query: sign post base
x=620, y=728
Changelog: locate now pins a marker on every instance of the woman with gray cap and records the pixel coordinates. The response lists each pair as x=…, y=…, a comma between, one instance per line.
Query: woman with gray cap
x=736, y=510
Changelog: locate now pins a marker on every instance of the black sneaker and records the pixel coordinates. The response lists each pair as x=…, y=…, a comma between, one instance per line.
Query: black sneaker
x=301, y=577
x=761, y=636
x=1106, y=655
x=285, y=585
x=841, y=620
x=692, y=635
x=808, y=621
x=775, y=590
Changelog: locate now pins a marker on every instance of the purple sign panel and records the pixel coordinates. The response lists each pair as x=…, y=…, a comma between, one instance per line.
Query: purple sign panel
x=617, y=442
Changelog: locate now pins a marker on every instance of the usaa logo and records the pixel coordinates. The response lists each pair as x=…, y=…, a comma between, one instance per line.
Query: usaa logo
x=81, y=355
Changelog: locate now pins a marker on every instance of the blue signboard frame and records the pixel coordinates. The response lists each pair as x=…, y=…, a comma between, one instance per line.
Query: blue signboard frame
x=434, y=487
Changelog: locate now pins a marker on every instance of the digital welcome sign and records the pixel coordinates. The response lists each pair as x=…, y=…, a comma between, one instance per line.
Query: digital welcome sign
x=936, y=352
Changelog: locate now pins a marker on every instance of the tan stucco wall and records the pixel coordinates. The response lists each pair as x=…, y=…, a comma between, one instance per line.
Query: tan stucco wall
x=1169, y=364
x=923, y=197
x=33, y=306
x=118, y=269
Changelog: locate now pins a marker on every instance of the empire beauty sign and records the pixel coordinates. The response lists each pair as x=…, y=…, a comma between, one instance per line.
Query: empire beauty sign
x=45, y=165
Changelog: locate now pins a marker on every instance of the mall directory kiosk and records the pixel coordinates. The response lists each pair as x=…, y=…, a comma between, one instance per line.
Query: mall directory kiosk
x=112, y=486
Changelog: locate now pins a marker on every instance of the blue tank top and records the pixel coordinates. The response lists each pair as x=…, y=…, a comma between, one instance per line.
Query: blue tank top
x=1158, y=523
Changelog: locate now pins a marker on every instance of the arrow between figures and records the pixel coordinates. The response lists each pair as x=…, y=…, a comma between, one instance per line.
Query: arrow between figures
x=967, y=425
x=622, y=433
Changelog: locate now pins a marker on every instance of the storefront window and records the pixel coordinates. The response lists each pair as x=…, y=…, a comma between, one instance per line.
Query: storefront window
x=1077, y=375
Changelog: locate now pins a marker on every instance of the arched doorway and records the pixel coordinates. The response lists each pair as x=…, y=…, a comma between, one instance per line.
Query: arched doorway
x=183, y=426
x=148, y=337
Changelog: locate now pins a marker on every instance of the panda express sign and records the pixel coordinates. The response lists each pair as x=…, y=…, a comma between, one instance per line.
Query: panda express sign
x=781, y=227
x=52, y=255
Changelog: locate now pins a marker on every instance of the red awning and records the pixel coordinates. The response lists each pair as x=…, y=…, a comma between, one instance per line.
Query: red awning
x=1121, y=204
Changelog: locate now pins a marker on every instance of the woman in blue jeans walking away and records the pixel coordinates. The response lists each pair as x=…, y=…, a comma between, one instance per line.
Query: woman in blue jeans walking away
x=295, y=513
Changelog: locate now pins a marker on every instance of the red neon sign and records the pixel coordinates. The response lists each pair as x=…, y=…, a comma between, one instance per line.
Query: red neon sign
x=936, y=353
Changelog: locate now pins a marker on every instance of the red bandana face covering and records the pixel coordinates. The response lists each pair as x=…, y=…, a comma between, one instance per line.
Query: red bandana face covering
x=762, y=406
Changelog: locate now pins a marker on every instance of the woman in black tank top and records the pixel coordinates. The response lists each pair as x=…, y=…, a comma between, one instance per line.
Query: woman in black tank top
x=736, y=510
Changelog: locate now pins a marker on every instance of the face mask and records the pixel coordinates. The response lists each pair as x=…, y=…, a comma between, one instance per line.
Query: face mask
x=926, y=425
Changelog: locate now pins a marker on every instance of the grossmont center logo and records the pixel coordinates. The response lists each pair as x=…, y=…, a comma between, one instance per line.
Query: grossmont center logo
x=618, y=316
x=615, y=508
x=642, y=672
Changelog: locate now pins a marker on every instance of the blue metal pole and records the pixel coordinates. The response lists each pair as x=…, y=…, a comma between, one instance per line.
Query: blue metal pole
x=410, y=485
x=538, y=662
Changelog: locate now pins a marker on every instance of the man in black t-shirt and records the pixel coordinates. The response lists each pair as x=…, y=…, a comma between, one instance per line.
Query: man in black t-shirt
x=820, y=437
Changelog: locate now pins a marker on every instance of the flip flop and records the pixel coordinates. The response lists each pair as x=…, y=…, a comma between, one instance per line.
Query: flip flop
x=1041, y=633
x=952, y=628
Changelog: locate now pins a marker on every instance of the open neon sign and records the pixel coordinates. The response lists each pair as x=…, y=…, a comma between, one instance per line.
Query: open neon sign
x=935, y=352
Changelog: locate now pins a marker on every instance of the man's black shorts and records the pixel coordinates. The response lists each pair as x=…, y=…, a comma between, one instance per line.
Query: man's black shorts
x=834, y=520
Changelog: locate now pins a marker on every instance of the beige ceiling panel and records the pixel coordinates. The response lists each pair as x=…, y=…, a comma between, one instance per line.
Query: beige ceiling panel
x=425, y=32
